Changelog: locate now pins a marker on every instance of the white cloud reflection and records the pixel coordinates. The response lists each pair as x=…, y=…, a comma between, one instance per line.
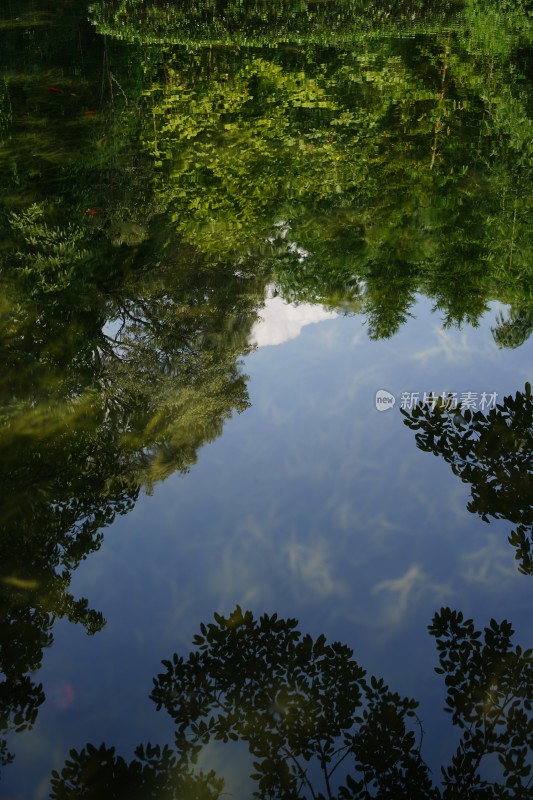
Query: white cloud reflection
x=451, y=346
x=281, y=321
x=490, y=565
x=307, y=566
x=401, y=595
x=312, y=569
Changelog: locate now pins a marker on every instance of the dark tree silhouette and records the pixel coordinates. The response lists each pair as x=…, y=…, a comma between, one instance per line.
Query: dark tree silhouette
x=37, y=566
x=295, y=702
x=318, y=727
x=489, y=696
x=153, y=775
x=492, y=452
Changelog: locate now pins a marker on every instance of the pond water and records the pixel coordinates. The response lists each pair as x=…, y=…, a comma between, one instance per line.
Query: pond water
x=266, y=304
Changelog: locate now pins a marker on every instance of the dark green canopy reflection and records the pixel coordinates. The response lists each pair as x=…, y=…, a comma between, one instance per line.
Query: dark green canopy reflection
x=387, y=155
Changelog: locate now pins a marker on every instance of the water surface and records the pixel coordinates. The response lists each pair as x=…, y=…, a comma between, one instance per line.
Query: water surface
x=227, y=233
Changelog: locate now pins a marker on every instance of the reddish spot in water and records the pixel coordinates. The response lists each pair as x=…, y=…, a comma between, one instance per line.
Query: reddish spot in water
x=55, y=89
x=93, y=212
x=65, y=696
x=87, y=113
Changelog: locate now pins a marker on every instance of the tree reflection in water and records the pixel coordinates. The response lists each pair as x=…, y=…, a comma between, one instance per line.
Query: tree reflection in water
x=317, y=726
x=337, y=140
x=491, y=452
x=144, y=402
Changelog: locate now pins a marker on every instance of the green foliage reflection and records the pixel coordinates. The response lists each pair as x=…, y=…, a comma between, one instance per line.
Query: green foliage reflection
x=256, y=23
x=399, y=158
x=120, y=347
x=108, y=412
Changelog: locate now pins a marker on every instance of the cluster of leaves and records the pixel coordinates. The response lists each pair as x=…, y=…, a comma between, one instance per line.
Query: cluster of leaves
x=317, y=727
x=220, y=692
x=490, y=699
x=53, y=258
x=490, y=451
x=153, y=775
x=515, y=330
x=197, y=23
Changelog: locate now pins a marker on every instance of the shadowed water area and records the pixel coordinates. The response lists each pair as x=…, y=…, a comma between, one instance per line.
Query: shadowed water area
x=266, y=421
